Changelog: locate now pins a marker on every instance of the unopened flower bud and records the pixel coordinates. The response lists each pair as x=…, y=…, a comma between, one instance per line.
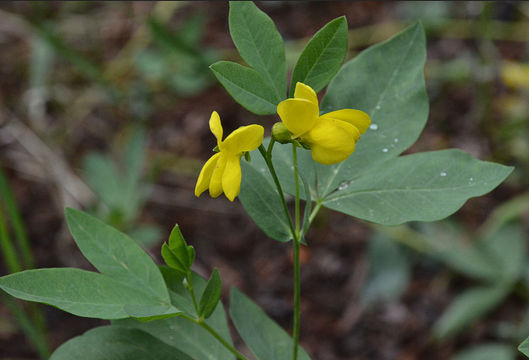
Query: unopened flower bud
x=281, y=134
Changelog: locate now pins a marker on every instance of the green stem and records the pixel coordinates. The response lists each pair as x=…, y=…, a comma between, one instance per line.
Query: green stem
x=270, y=166
x=297, y=290
x=314, y=212
x=270, y=147
x=227, y=345
x=16, y=221
x=217, y=336
x=192, y=290
x=8, y=249
x=32, y=332
x=200, y=321
x=297, y=287
x=267, y=156
x=296, y=179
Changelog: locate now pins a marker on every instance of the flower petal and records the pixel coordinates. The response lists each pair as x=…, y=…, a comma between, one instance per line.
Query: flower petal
x=215, y=126
x=357, y=118
x=245, y=138
x=332, y=140
x=215, y=185
x=204, y=177
x=306, y=92
x=298, y=115
x=231, y=178
x=327, y=156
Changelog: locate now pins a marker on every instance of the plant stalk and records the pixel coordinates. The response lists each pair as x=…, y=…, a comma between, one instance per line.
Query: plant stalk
x=234, y=351
x=217, y=336
x=192, y=291
x=296, y=244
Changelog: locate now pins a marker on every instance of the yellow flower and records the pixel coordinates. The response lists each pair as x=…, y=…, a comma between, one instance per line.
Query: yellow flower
x=515, y=75
x=222, y=172
x=332, y=136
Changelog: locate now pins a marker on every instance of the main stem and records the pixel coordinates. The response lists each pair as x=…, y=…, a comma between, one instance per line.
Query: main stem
x=297, y=287
x=295, y=231
x=267, y=156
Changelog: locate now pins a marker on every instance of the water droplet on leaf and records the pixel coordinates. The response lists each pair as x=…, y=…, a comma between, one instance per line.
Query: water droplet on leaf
x=442, y=173
x=373, y=126
x=385, y=150
x=345, y=184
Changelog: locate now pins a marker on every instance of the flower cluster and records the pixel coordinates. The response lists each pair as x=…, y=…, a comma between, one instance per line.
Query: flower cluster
x=222, y=172
x=331, y=138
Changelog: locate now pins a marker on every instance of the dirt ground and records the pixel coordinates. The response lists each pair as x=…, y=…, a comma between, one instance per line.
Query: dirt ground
x=334, y=324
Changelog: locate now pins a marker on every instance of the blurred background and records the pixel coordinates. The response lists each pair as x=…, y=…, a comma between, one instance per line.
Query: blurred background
x=104, y=106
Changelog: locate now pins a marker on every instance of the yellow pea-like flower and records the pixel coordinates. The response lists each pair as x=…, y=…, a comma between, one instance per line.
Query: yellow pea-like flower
x=332, y=136
x=222, y=172
x=515, y=75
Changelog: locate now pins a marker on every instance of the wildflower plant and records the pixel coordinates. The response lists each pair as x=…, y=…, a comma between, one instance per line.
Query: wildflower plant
x=343, y=153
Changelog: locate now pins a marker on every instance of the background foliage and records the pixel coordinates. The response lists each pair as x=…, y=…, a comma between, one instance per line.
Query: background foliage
x=101, y=99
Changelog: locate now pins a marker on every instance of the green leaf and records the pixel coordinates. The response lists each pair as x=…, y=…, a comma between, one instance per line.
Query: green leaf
x=174, y=42
x=192, y=29
x=261, y=201
x=499, y=257
x=115, y=254
x=387, y=82
x=177, y=254
x=146, y=235
x=461, y=254
x=247, y=87
x=151, y=312
x=486, y=352
x=266, y=339
x=507, y=249
x=468, y=308
x=259, y=43
x=80, y=62
x=211, y=295
x=120, y=191
x=180, y=296
x=524, y=347
x=183, y=334
x=113, y=342
x=133, y=157
x=79, y=292
x=171, y=259
x=389, y=270
x=103, y=177
x=420, y=187
x=322, y=57
x=179, y=246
